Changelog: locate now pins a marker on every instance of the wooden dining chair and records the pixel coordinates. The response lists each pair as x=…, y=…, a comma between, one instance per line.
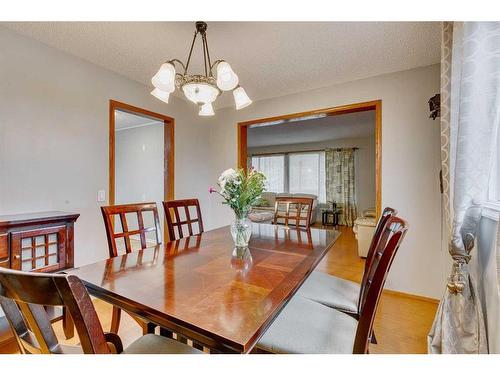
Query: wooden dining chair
x=342, y=294
x=327, y=330
x=302, y=208
x=136, y=210
x=23, y=296
x=177, y=221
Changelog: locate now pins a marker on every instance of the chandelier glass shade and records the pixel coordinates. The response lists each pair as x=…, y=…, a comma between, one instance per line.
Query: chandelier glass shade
x=200, y=89
x=160, y=95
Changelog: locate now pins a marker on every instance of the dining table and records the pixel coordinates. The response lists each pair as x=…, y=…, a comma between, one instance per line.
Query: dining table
x=205, y=289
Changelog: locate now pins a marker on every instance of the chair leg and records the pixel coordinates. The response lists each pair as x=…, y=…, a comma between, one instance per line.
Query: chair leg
x=115, y=319
x=373, y=339
x=67, y=323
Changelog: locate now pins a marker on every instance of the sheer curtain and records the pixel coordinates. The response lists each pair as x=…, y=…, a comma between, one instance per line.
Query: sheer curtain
x=307, y=174
x=470, y=114
x=273, y=168
x=340, y=183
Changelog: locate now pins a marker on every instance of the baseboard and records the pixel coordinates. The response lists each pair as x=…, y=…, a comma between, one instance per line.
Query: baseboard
x=412, y=296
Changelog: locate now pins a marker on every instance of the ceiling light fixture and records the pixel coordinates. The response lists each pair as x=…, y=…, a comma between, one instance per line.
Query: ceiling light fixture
x=200, y=89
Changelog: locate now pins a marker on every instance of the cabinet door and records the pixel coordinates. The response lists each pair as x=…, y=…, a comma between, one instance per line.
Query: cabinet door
x=39, y=250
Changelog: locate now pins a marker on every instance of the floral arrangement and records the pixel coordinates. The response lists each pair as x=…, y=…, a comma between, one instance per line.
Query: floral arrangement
x=241, y=190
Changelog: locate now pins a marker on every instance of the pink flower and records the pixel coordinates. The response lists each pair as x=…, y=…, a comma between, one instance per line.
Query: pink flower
x=212, y=190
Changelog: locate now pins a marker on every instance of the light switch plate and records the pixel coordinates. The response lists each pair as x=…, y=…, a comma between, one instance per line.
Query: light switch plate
x=101, y=195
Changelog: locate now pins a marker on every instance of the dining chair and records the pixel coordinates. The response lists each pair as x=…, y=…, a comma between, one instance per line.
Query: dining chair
x=176, y=221
x=342, y=294
x=125, y=212
x=136, y=211
x=306, y=326
x=23, y=296
x=302, y=210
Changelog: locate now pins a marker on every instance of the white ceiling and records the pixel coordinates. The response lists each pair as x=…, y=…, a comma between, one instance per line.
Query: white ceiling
x=125, y=120
x=352, y=125
x=271, y=58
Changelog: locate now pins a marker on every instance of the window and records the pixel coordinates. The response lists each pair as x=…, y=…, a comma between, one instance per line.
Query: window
x=274, y=169
x=302, y=172
x=307, y=174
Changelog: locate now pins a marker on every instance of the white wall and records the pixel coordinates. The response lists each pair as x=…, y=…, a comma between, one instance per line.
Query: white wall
x=139, y=165
x=410, y=162
x=364, y=168
x=54, y=136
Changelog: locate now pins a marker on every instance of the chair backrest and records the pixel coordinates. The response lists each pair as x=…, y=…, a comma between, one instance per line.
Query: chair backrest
x=302, y=211
x=23, y=296
x=109, y=213
x=175, y=220
x=395, y=231
x=379, y=236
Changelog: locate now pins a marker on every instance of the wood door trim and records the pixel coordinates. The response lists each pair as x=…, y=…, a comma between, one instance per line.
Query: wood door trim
x=168, y=154
x=375, y=105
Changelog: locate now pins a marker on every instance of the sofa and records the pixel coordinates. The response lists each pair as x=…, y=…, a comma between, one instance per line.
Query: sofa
x=268, y=202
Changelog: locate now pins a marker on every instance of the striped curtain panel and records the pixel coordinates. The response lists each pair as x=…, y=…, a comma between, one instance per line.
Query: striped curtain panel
x=340, y=183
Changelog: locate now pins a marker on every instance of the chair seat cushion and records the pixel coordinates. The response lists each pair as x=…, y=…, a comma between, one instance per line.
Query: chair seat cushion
x=305, y=326
x=155, y=344
x=331, y=291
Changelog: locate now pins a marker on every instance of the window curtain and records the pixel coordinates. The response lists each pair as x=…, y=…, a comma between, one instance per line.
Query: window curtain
x=340, y=183
x=470, y=113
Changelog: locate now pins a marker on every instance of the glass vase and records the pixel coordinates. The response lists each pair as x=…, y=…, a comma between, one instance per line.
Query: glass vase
x=241, y=231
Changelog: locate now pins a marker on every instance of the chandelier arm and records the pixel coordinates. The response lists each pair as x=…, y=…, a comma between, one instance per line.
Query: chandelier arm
x=190, y=52
x=177, y=61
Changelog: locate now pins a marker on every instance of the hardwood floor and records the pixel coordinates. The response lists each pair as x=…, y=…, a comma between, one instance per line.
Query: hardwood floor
x=401, y=324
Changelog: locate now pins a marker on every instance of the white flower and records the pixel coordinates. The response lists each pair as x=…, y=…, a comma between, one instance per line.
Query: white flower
x=229, y=175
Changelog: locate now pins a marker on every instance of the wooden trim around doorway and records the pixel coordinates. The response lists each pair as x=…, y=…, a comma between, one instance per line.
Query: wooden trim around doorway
x=168, y=165
x=375, y=105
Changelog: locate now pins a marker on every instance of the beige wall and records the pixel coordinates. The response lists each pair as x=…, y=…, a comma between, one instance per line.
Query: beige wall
x=54, y=136
x=364, y=163
x=410, y=162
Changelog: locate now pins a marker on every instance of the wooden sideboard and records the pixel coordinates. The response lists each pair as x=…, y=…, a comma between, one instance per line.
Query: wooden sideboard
x=38, y=242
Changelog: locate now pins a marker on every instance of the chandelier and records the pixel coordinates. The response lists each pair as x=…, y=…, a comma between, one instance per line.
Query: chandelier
x=202, y=89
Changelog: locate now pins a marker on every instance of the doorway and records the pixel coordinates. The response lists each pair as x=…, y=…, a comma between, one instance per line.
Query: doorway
x=141, y=156
x=313, y=122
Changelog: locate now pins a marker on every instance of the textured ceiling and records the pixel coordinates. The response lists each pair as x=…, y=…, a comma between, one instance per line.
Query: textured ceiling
x=271, y=58
x=352, y=125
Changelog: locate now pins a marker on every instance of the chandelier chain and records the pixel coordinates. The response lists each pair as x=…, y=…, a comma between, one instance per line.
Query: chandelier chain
x=190, y=53
x=208, y=54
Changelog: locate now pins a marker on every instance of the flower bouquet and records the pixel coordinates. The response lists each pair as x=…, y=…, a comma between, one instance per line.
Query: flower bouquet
x=241, y=190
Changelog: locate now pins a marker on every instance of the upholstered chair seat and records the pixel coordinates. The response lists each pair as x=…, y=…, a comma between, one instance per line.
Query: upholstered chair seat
x=305, y=326
x=331, y=291
x=154, y=344
x=341, y=294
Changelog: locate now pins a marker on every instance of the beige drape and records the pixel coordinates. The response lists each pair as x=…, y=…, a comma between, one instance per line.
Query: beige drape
x=470, y=99
x=340, y=183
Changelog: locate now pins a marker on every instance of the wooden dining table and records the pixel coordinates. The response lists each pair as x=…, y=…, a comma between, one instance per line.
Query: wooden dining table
x=204, y=289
